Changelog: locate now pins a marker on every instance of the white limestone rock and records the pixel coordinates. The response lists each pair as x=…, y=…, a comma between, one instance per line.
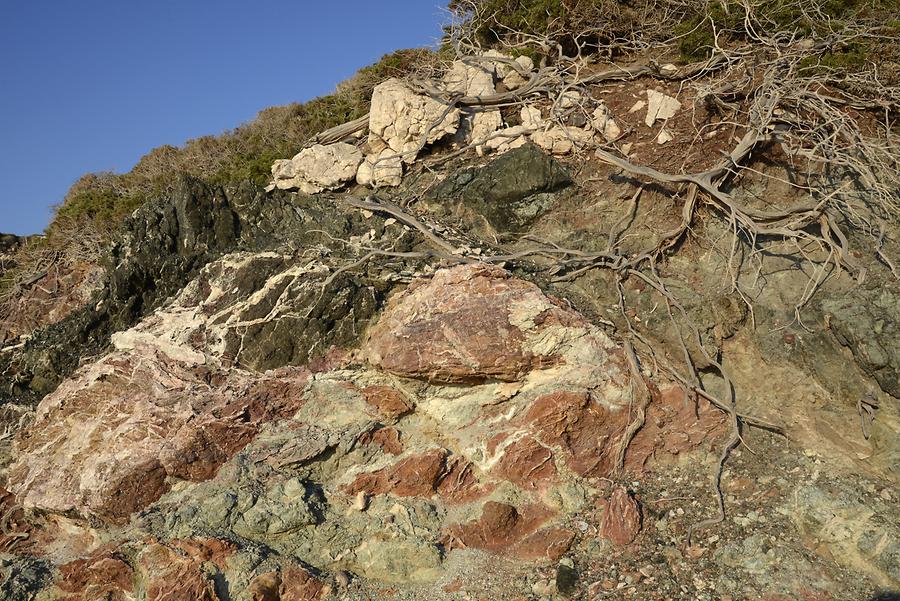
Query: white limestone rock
x=668, y=69
x=514, y=79
x=283, y=174
x=525, y=62
x=508, y=138
x=318, y=168
x=402, y=120
x=383, y=169
x=473, y=78
x=570, y=99
x=602, y=122
x=660, y=106
x=531, y=117
x=562, y=140
x=476, y=78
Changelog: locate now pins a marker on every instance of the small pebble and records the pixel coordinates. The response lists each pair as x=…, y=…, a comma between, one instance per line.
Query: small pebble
x=342, y=578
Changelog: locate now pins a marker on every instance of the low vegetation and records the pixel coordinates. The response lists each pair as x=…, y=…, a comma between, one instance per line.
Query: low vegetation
x=694, y=28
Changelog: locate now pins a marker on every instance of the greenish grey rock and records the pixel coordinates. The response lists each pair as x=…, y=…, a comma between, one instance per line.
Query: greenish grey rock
x=511, y=191
x=867, y=321
x=398, y=560
x=283, y=508
x=22, y=578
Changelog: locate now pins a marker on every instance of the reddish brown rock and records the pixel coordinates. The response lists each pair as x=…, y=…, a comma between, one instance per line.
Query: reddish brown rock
x=265, y=587
x=674, y=424
x=105, y=442
x=467, y=324
x=173, y=576
x=415, y=476
x=389, y=402
x=550, y=544
x=61, y=290
x=105, y=574
x=387, y=439
x=527, y=463
x=420, y=475
x=503, y=529
x=293, y=583
x=299, y=585
x=621, y=521
x=584, y=430
x=459, y=484
x=204, y=550
x=199, y=447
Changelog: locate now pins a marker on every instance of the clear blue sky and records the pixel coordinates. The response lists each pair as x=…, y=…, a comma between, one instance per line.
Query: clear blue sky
x=90, y=85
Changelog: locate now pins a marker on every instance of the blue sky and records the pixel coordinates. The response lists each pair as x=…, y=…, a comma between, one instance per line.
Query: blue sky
x=93, y=85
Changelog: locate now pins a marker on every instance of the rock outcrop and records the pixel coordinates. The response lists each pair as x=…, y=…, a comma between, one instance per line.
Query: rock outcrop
x=55, y=295
x=508, y=378
x=130, y=434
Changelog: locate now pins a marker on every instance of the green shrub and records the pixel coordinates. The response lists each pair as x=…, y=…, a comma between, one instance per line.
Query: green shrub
x=694, y=23
x=696, y=31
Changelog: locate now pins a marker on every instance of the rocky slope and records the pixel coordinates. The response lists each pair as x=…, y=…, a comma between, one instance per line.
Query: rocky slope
x=285, y=395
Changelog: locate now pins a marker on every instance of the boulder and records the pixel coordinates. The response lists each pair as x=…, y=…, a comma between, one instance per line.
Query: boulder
x=318, y=168
x=468, y=324
x=512, y=190
x=473, y=77
x=404, y=121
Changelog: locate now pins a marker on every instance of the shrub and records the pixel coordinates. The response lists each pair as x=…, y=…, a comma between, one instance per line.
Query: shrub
x=614, y=25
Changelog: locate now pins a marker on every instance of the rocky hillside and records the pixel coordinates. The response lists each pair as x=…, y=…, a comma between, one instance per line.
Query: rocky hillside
x=543, y=324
